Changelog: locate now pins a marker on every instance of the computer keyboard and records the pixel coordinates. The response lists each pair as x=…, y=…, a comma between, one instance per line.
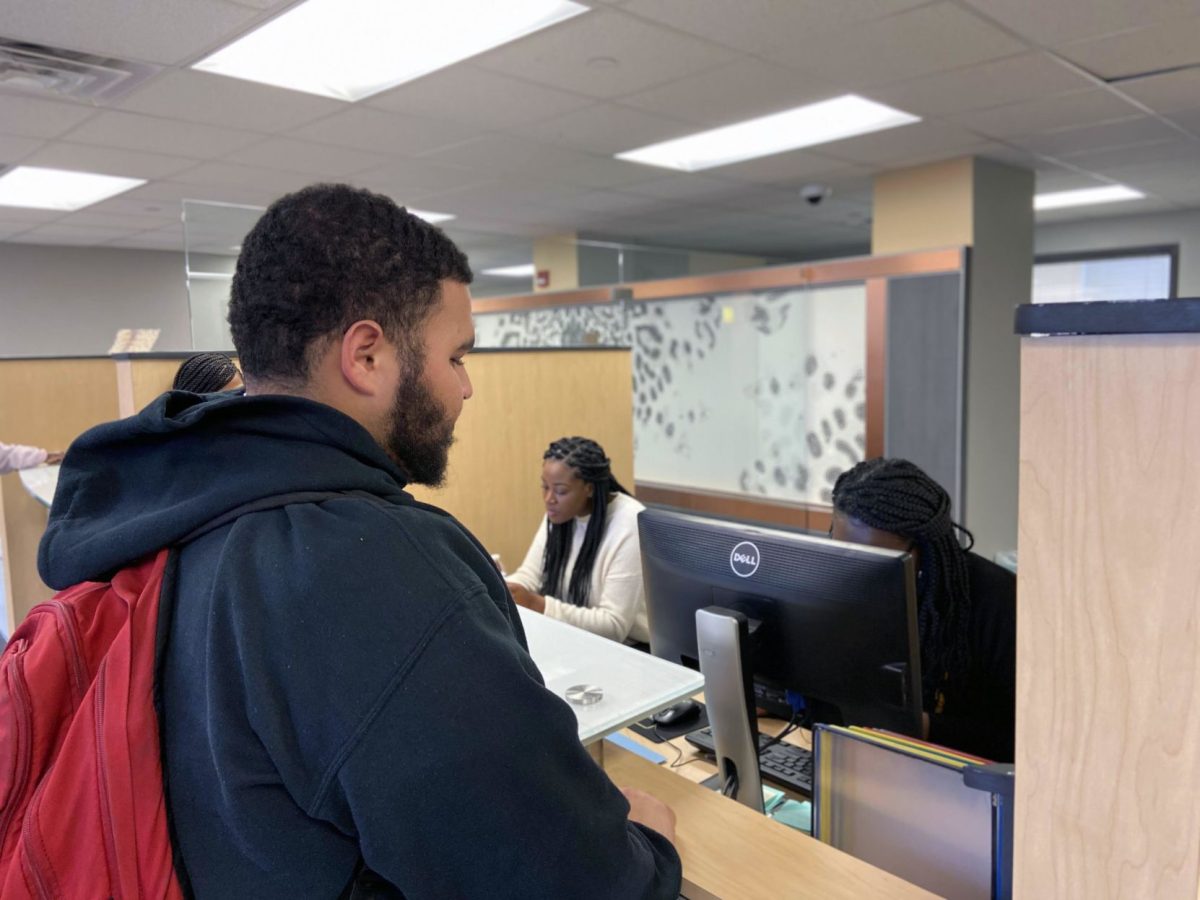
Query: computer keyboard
x=783, y=763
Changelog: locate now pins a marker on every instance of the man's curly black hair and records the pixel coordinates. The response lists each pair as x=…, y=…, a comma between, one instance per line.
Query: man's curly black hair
x=323, y=258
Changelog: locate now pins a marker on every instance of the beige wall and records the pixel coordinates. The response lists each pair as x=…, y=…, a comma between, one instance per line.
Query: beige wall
x=924, y=207
x=523, y=401
x=47, y=403
x=558, y=255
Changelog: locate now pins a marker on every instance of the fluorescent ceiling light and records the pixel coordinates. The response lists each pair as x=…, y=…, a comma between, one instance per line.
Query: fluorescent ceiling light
x=525, y=271
x=431, y=217
x=804, y=126
x=59, y=189
x=350, y=49
x=1112, y=193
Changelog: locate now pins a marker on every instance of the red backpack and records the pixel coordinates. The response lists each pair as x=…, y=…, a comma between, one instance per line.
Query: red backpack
x=83, y=809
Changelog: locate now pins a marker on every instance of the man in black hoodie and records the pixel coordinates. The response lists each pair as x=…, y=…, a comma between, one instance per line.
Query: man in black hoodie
x=346, y=685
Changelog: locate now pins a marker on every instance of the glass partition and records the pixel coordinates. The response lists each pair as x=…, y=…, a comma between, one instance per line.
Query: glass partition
x=212, y=238
x=755, y=394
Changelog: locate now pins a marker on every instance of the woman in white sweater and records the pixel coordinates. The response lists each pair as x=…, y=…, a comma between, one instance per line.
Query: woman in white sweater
x=585, y=564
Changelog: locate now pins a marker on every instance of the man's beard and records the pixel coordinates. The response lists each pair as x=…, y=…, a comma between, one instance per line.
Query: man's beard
x=421, y=432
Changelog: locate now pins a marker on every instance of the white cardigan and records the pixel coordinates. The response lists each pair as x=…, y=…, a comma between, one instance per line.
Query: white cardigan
x=617, y=603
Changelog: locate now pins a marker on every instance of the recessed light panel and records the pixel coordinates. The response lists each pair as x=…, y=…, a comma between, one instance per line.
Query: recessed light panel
x=525, y=271
x=38, y=188
x=351, y=49
x=431, y=217
x=804, y=126
x=1112, y=193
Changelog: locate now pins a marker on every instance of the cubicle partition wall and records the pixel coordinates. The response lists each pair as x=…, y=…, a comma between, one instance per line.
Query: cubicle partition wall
x=523, y=400
x=1108, y=593
x=753, y=390
x=46, y=403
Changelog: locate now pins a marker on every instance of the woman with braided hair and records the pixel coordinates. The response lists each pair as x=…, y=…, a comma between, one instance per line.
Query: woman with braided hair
x=585, y=563
x=207, y=373
x=966, y=605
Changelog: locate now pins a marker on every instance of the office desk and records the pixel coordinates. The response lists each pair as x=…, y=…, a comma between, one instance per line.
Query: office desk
x=635, y=684
x=729, y=852
x=41, y=482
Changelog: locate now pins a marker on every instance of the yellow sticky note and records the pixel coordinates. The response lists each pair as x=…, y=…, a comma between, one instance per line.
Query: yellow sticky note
x=727, y=315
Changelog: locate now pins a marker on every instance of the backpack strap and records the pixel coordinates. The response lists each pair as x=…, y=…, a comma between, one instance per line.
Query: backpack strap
x=264, y=503
x=363, y=883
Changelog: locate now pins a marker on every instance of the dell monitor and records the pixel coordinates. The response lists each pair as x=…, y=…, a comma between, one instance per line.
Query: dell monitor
x=834, y=622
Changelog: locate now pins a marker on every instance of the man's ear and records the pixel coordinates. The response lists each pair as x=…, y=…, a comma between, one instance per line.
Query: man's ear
x=366, y=356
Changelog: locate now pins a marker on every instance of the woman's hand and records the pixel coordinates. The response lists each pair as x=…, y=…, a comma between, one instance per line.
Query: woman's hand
x=55, y=456
x=526, y=598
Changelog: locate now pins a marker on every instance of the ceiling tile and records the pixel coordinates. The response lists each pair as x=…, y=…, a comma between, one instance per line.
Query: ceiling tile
x=1187, y=119
x=320, y=160
x=107, y=160
x=578, y=55
x=785, y=167
x=1092, y=138
x=90, y=217
x=150, y=240
x=758, y=26
x=32, y=117
x=70, y=234
x=500, y=155
x=479, y=98
x=741, y=90
x=406, y=180
x=1060, y=111
x=171, y=193
x=1104, y=210
x=221, y=174
x=1015, y=78
x=1149, y=49
x=932, y=38
x=1050, y=24
x=1166, y=93
x=169, y=32
x=1166, y=151
x=11, y=231
x=158, y=135
x=924, y=141
x=15, y=149
x=607, y=128
x=508, y=194
x=1059, y=179
x=689, y=188
x=227, y=102
x=1163, y=177
x=20, y=215
x=384, y=132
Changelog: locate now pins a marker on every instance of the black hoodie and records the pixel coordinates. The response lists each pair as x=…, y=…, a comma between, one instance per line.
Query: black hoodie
x=341, y=676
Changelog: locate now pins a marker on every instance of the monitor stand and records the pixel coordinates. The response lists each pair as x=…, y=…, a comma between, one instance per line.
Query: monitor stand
x=722, y=639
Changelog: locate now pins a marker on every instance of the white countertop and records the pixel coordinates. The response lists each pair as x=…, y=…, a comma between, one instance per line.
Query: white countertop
x=635, y=684
x=41, y=482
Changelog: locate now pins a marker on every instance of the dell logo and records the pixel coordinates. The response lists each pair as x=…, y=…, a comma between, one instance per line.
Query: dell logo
x=743, y=559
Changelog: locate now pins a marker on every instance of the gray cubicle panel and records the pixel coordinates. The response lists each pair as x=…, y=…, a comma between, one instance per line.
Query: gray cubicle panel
x=925, y=377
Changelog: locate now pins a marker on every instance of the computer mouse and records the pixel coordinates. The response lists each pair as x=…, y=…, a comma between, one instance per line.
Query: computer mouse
x=682, y=712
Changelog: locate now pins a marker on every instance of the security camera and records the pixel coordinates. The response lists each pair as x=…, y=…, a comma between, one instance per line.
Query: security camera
x=815, y=193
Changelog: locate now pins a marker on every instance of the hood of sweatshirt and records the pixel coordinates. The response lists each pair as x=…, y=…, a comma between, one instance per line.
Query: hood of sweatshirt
x=131, y=487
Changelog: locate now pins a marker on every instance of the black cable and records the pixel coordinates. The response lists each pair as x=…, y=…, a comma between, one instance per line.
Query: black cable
x=791, y=726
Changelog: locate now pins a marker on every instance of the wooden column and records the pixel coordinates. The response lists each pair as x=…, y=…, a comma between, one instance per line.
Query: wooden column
x=1108, y=690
